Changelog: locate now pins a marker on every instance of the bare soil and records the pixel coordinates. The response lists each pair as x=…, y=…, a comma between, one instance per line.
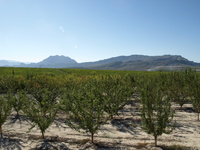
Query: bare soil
x=122, y=133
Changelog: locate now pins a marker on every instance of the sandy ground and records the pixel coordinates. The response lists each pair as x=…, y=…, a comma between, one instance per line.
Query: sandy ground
x=124, y=132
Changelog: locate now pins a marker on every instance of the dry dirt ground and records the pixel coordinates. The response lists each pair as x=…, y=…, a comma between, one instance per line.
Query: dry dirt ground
x=122, y=133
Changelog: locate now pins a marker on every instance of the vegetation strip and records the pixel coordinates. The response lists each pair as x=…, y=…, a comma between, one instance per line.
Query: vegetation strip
x=89, y=99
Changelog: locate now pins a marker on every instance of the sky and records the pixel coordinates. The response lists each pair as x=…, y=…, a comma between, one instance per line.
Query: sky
x=91, y=30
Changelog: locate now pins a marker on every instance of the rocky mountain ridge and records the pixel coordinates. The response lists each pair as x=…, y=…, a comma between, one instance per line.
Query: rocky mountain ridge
x=132, y=62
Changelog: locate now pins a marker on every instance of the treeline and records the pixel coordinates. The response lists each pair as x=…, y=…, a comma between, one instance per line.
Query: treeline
x=89, y=101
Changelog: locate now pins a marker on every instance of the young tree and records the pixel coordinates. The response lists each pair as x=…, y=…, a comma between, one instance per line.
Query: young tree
x=5, y=110
x=15, y=86
x=194, y=84
x=18, y=101
x=179, y=89
x=43, y=101
x=116, y=92
x=39, y=86
x=41, y=115
x=5, y=82
x=156, y=113
x=86, y=107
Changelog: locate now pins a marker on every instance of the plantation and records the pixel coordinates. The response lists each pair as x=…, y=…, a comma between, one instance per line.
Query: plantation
x=94, y=109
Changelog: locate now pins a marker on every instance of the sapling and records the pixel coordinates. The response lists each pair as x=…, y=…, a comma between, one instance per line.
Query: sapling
x=116, y=92
x=156, y=113
x=17, y=101
x=194, y=84
x=43, y=103
x=86, y=107
x=41, y=113
x=5, y=110
x=179, y=89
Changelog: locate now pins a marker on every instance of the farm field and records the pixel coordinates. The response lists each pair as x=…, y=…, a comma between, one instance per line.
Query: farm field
x=93, y=109
x=123, y=132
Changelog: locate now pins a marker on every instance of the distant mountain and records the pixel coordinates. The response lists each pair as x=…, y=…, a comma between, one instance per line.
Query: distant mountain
x=132, y=62
x=119, y=58
x=136, y=58
x=57, y=62
x=142, y=62
x=9, y=63
x=53, y=62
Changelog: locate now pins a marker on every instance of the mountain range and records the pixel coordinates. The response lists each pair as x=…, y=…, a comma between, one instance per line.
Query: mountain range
x=132, y=62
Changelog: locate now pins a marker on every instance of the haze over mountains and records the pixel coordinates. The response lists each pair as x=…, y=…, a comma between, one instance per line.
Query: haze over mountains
x=132, y=62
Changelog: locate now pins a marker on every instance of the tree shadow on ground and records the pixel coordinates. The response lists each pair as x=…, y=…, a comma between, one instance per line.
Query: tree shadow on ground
x=10, y=144
x=185, y=109
x=189, y=109
x=18, y=119
x=174, y=147
x=184, y=128
x=127, y=125
x=100, y=146
x=50, y=145
x=60, y=123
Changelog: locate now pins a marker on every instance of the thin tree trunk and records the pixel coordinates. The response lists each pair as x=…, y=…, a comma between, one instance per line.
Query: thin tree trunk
x=17, y=116
x=181, y=107
x=198, y=116
x=111, y=117
x=155, y=140
x=1, y=132
x=43, y=135
x=92, y=137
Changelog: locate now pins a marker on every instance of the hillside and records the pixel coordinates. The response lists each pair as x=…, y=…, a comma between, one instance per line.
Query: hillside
x=132, y=62
x=142, y=62
x=57, y=62
x=9, y=63
x=53, y=62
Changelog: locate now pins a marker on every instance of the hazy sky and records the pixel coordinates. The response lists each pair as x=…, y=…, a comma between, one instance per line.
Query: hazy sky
x=89, y=30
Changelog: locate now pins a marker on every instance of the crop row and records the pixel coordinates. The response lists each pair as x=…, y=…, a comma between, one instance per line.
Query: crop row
x=91, y=100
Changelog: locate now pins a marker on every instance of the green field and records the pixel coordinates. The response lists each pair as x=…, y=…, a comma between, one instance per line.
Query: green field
x=59, y=72
x=89, y=98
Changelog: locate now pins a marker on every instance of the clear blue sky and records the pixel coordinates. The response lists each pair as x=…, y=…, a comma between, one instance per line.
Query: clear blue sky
x=89, y=30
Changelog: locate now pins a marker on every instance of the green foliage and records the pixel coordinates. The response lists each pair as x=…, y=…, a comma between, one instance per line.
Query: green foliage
x=86, y=106
x=194, y=85
x=11, y=84
x=3, y=84
x=18, y=100
x=156, y=113
x=116, y=92
x=10, y=71
x=92, y=96
x=179, y=89
x=43, y=101
x=5, y=109
x=45, y=88
x=41, y=115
